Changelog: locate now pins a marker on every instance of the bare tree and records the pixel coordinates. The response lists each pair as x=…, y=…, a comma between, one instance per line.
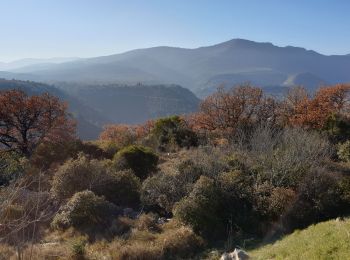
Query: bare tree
x=24, y=208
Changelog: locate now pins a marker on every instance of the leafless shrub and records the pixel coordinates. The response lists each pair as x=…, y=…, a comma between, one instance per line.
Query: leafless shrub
x=282, y=157
x=23, y=213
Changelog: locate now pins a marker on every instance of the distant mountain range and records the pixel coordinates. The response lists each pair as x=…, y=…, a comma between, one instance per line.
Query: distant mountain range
x=26, y=63
x=202, y=69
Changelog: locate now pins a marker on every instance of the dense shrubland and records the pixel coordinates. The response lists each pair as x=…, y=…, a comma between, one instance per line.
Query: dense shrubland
x=246, y=168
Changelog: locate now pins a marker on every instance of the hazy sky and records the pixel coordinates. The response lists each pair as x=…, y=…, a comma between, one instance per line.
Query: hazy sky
x=85, y=28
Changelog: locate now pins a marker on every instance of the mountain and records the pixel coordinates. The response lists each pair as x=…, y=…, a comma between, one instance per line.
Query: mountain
x=203, y=69
x=95, y=106
x=32, y=62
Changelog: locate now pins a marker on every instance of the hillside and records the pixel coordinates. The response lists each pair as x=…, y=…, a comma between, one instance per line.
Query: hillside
x=203, y=69
x=89, y=120
x=95, y=106
x=175, y=188
x=326, y=240
x=134, y=104
x=33, y=62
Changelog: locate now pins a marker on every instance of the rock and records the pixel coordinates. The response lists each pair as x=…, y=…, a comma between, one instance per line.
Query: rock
x=237, y=254
x=161, y=220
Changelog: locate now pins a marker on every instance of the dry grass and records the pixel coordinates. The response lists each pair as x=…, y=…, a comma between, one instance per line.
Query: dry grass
x=171, y=241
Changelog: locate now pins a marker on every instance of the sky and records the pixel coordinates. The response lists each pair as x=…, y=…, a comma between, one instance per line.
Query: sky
x=88, y=28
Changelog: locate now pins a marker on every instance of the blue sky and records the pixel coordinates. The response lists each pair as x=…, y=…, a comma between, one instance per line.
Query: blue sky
x=86, y=28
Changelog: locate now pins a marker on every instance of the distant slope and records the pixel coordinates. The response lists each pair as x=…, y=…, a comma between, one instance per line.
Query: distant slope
x=89, y=121
x=95, y=106
x=135, y=104
x=326, y=240
x=32, y=62
x=203, y=69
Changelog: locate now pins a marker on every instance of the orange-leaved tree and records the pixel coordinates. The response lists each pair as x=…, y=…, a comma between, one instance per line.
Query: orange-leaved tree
x=26, y=121
x=327, y=101
x=121, y=134
x=226, y=110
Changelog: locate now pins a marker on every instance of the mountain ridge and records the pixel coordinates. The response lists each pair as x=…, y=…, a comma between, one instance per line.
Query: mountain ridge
x=194, y=68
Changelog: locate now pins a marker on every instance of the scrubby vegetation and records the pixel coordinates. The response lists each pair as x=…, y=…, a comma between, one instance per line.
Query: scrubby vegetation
x=247, y=168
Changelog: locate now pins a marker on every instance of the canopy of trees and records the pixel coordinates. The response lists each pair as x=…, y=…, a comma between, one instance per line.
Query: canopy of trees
x=26, y=121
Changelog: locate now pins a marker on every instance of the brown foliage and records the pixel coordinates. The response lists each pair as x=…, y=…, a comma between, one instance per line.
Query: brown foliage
x=226, y=110
x=144, y=129
x=26, y=121
x=122, y=135
x=314, y=112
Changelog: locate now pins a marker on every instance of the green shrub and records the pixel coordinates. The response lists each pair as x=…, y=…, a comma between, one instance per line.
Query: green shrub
x=85, y=210
x=122, y=188
x=337, y=127
x=163, y=190
x=200, y=208
x=236, y=188
x=78, y=175
x=344, y=185
x=344, y=151
x=319, y=198
x=173, y=131
x=12, y=166
x=142, y=160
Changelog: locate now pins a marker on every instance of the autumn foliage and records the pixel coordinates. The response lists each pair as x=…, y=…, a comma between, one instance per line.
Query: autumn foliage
x=26, y=121
x=244, y=107
x=124, y=135
x=314, y=112
x=226, y=110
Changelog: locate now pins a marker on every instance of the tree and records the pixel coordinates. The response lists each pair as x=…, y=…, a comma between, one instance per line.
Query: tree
x=227, y=110
x=315, y=112
x=26, y=121
x=122, y=135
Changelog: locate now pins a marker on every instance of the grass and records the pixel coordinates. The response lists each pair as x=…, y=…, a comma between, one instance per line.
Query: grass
x=326, y=240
